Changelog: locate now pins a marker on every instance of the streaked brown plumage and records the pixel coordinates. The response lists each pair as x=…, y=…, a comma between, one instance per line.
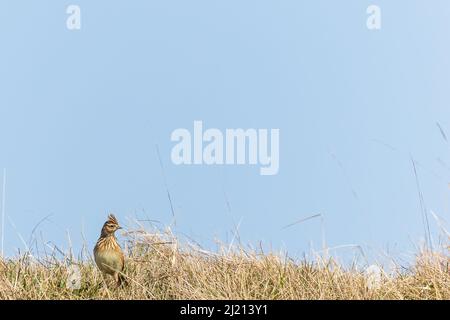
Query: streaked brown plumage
x=107, y=252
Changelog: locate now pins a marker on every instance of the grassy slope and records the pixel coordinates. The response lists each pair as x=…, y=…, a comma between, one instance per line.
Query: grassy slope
x=157, y=268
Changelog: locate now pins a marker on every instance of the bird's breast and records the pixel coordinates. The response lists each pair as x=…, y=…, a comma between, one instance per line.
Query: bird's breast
x=109, y=260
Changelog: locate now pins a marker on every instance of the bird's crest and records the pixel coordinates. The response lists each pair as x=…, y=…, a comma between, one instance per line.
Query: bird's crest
x=112, y=219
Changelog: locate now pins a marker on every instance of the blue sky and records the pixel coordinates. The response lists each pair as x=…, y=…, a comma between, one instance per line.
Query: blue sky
x=82, y=111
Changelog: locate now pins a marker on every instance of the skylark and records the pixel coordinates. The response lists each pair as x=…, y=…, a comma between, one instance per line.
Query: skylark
x=107, y=252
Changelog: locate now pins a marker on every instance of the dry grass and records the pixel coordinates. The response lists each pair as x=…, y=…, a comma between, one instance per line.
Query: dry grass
x=158, y=267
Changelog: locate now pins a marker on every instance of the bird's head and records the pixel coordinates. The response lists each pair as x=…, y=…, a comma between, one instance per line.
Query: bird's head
x=110, y=226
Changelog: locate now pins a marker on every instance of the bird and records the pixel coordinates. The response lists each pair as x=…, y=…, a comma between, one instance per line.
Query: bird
x=108, y=254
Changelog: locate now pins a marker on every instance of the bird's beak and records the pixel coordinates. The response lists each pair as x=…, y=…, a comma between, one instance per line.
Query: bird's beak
x=119, y=227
